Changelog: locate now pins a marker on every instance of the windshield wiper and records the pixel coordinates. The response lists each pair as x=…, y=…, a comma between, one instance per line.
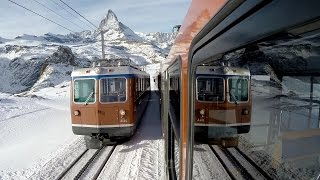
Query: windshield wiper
x=88, y=98
x=233, y=97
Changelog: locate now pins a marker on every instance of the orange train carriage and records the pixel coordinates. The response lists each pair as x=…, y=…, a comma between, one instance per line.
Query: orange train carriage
x=210, y=31
x=108, y=102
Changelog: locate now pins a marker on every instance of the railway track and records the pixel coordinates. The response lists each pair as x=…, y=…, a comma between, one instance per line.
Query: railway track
x=238, y=165
x=88, y=165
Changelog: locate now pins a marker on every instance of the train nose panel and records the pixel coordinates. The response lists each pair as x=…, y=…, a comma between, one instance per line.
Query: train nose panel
x=88, y=116
x=109, y=116
x=225, y=116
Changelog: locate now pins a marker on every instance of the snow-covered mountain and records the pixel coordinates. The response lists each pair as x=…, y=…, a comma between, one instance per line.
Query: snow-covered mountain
x=29, y=63
x=161, y=39
x=157, y=37
x=2, y=40
x=84, y=36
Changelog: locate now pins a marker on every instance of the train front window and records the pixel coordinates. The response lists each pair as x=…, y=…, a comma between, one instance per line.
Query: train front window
x=84, y=91
x=113, y=90
x=238, y=89
x=210, y=89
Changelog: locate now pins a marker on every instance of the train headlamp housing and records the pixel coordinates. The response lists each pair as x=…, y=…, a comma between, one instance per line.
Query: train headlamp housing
x=76, y=113
x=245, y=112
x=202, y=111
x=122, y=112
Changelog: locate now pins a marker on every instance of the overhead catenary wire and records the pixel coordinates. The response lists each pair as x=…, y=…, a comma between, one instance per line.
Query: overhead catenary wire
x=70, y=13
x=79, y=14
x=58, y=14
x=42, y=16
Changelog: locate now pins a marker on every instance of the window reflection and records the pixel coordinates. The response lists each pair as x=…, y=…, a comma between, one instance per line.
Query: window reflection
x=283, y=132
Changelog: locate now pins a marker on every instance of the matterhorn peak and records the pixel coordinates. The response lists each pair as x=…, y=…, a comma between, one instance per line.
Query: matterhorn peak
x=111, y=15
x=109, y=22
x=114, y=30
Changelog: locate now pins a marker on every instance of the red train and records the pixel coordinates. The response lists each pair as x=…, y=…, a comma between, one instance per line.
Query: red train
x=108, y=102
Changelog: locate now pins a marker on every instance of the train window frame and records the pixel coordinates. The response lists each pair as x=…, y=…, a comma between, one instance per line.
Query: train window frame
x=224, y=84
x=248, y=85
x=113, y=78
x=95, y=89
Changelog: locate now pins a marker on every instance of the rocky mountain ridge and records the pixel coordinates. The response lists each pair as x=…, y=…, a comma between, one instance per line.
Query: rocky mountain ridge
x=29, y=63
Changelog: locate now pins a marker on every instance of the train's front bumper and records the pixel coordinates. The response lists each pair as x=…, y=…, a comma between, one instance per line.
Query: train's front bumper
x=220, y=131
x=116, y=131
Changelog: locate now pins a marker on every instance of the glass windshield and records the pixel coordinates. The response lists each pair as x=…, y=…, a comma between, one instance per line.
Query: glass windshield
x=84, y=90
x=113, y=90
x=238, y=89
x=210, y=89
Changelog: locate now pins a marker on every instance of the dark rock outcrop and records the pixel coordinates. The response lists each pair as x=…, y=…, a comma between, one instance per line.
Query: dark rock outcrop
x=63, y=55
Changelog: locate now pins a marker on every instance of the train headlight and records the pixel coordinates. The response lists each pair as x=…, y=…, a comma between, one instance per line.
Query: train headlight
x=97, y=70
x=122, y=112
x=245, y=112
x=202, y=111
x=76, y=113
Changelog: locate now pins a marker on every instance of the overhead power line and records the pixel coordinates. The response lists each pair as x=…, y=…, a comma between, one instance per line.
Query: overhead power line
x=41, y=16
x=58, y=14
x=70, y=13
x=79, y=14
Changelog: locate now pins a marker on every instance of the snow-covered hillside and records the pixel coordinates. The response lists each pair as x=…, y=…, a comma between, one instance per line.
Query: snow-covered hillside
x=29, y=63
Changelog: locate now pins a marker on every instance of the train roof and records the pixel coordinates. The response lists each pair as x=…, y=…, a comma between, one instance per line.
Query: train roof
x=199, y=13
x=223, y=70
x=94, y=71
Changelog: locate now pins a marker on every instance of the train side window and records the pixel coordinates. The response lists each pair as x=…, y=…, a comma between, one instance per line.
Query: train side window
x=174, y=119
x=137, y=87
x=113, y=90
x=84, y=91
x=143, y=85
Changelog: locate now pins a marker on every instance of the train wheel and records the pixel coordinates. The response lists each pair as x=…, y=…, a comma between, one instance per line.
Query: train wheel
x=92, y=142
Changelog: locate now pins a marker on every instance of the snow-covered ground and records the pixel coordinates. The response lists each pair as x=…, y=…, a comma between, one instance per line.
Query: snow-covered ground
x=33, y=129
x=37, y=140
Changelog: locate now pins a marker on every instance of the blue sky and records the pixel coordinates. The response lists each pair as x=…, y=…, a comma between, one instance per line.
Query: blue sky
x=139, y=15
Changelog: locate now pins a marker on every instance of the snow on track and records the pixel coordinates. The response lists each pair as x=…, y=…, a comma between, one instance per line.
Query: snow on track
x=249, y=167
x=99, y=161
x=235, y=171
x=206, y=165
x=72, y=173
